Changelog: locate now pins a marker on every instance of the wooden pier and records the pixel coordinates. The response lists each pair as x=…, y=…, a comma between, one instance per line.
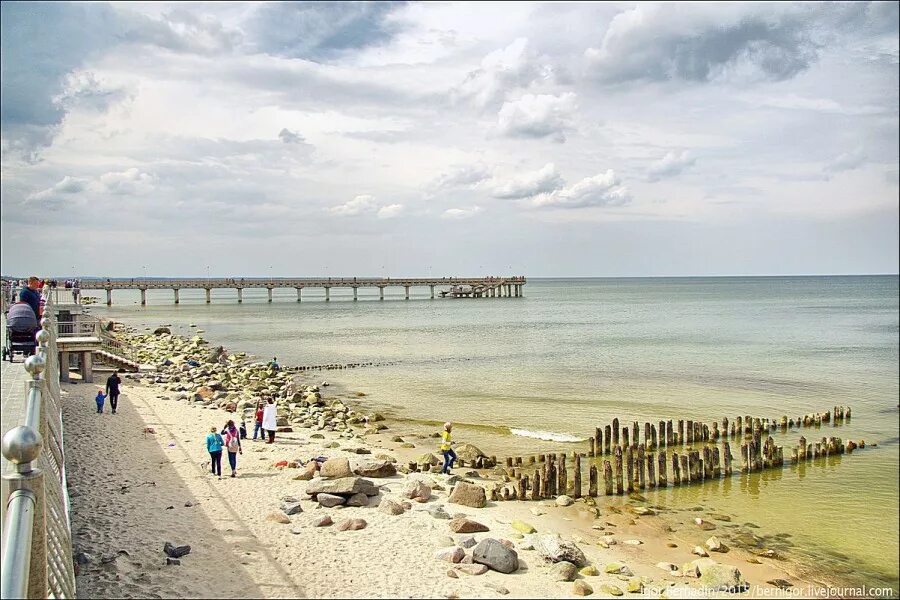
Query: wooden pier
x=477, y=287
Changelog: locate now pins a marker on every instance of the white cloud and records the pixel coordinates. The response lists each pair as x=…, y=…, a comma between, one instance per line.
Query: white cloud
x=604, y=189
x=359, y=204
x=544, y=180
x=290, y=137
x=538, y=116
x=129, y=182
x=390, y=211
x=468, y=176
x=517, y=66
x=461, y=213
x=670, y=165
x=56, y=194
x=846, y=161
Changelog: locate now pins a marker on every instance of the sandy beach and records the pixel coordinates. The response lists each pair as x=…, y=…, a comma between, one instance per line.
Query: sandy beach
x=133, y=491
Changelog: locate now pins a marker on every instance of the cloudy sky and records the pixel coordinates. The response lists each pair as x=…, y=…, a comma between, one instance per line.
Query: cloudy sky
x=449, y=138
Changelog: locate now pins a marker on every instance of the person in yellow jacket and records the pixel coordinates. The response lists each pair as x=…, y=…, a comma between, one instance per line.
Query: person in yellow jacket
x=446, y=448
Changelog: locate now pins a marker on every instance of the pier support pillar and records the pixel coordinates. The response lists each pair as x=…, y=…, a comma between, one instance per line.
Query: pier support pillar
x=143, y=296
x=327, y=294
x=87, y=367
x=240, y=295
x=355, y=290
x=407, y=291
x=109, y=297
x=270, y=293
x=176, y=294
x=432, y=291
x=299, y=290
x=381, y=292
x=64, y=367
x=208, y=292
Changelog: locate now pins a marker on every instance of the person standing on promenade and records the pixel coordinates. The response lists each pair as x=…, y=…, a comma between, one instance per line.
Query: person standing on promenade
x=31, y=296
x=214, y=445
x=446, y=449
x=233, y=445
x=112, y=390
x=258, y=428
x=269, y=421
x=99, y=400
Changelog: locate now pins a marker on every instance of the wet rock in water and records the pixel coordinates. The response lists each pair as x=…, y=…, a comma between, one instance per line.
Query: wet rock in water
x=553, y=548
x=376, y=468
x=351, y=525
x=173, y=551
x=495, y=555
x=335, y=468
x=358, y=500
x=472, y=569
x=291, y=508
x=617, y=568
x=564, y=500
x=589, y=571
x=322, y=521
x=721, y=577
x=390, y=507
x=464, y=525
x=612, y=590
x=452, y=554
x=416, y=489
x=522, y=527
x=563, y=571
x=781, y=584
x=467, y=494
x=331, y=500
x=581, y=588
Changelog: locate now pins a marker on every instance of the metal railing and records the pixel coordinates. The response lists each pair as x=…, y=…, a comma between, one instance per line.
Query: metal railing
x=37, y=533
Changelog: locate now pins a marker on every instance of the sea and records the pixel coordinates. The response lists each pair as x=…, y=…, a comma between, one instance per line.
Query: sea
x=520, y=376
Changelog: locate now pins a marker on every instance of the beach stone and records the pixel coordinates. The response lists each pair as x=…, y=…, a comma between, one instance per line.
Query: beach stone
x=643, y=511
x=322, y=521
x=344, y=485
x=162, y=331
x=612, y=590
x=291, y=508
x=564, y=500
x=173, y=551
x=497, y=588
x=278, y=517
x=589, y=571
x=700, y=551
x=358, y=500
x=331, y=500
x=335, y=468
x=452, y=574
x=172, y=562
x=390, y=507
x=563, y=571
x=452, y=554
x=495, y=555
x=781, y=584
x=472, y=569
x=467, y=494
x=416, y=489
x=635, y=585
x=522, y=527
x=376, y=468
x=351, y=525
x=468, y=452
x=721, y=577
x=715, y=545
x=553, y=548
x=437, y=511
x=445, y=541
x=467, y=541
x=581, y=588
x=667, y=566
x=464, y=525
x=308, y=472
x=617, y=568
x=695, y=567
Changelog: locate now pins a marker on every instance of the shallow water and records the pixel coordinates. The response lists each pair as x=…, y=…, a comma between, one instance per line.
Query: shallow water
x=573, y=354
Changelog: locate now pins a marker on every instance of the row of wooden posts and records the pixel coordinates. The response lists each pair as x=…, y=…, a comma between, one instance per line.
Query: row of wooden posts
x=670, y=434
x=635, y=469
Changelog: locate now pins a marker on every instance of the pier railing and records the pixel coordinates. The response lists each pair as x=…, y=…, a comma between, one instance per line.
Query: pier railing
x=37, y=533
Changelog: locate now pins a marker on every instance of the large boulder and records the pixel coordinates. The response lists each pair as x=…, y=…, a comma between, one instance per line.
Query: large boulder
x=416, y=489
x=162, y=331
x=335, y=468
x=721, y=577
x=493, y=554
x=464, y=525
x=468, y=494
x=564, y=571
x=554, y=549
x=343, y=486
x=375, y=468
x=468, y=452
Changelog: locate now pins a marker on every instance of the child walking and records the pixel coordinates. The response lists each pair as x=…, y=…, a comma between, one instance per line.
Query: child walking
x=100, y=399
x=214, y=443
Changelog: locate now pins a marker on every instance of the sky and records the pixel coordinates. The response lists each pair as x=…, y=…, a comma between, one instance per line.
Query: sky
x=418, y=139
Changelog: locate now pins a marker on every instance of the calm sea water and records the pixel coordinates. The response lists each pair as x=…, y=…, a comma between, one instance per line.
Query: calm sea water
x=573, y=354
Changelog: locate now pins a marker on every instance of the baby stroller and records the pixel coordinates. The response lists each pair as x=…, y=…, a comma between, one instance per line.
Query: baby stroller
x=21, y=325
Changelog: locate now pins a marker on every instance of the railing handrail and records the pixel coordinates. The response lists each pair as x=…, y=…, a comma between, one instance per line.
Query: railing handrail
x=37, y=532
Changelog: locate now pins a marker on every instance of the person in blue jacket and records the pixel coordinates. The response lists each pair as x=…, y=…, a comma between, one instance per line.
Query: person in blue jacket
x=214, y=443
x=31, y=296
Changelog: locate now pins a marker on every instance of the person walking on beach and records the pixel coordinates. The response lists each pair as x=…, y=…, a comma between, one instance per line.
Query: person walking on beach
x=449, y=454
x=112, y=390
x=99, y=400
x=258, y=428
x=214, y=445
x=269, y=421
x=233, y=445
